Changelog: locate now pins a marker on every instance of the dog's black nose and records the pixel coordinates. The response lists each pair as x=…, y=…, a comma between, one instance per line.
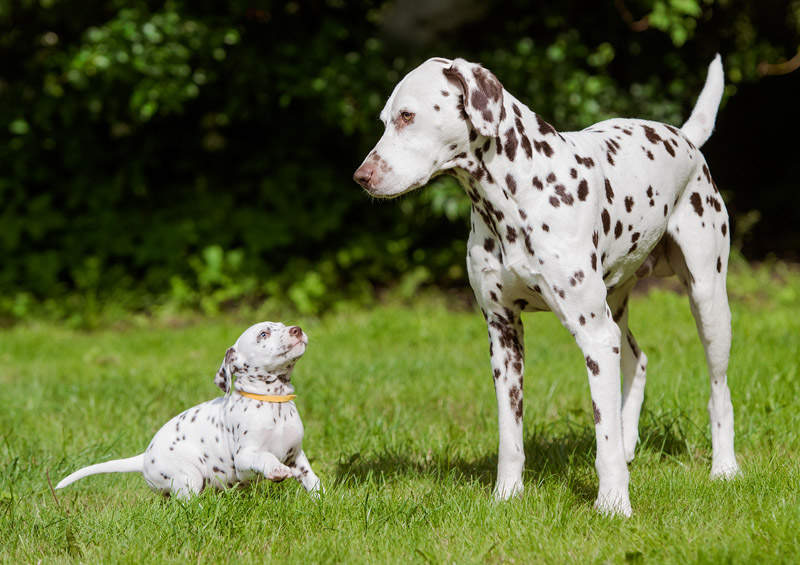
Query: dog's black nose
x=295, y=331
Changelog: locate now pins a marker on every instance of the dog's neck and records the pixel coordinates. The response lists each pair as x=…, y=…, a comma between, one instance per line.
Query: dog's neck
x=276, y=382
x=525, y=144
x=495, y=171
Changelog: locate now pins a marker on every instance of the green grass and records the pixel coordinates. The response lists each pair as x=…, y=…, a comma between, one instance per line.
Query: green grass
x=399, y=412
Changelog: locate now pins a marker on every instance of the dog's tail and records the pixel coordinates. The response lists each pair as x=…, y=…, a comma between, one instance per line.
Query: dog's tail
x=129, y=465
x=700, y=124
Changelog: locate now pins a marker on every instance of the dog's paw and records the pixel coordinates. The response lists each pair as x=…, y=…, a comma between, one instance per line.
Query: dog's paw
x=614, y=503
x=507, y=489
x=278, y=474
x=725, y=471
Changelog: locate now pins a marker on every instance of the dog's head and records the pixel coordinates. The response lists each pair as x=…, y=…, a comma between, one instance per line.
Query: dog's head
x=266, y=351
x=433, y=114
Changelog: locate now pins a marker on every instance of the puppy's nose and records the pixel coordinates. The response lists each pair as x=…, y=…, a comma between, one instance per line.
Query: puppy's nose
x=364, y=174
x=295, y=331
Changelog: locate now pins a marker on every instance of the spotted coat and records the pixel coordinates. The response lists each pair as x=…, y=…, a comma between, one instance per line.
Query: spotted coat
x=233, y=438
x=566, y=222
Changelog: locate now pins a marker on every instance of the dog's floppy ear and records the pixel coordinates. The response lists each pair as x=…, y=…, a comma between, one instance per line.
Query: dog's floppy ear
x=224, y=377
x=483, y=95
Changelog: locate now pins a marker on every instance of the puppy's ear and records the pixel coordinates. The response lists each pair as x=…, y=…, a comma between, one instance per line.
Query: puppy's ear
x=483, y=95
x=224, y=377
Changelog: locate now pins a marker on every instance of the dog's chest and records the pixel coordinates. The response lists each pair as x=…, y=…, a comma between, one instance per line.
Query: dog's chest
x=273, y=427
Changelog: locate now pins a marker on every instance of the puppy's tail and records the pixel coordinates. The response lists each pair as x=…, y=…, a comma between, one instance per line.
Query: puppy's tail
x=700, y=124
x=129, y=465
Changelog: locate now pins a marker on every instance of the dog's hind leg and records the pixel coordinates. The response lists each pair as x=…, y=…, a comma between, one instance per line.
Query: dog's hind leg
x=698, y=254
x=633, y=365
x=187, y=484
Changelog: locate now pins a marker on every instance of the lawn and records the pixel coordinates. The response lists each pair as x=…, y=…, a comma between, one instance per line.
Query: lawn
x=399, y=412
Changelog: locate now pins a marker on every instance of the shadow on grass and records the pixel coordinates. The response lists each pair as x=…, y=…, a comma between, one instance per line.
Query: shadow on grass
x=563, y=451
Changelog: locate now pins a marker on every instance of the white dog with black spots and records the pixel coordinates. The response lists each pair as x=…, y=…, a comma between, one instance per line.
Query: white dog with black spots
x=568, y=222
x=254, y=429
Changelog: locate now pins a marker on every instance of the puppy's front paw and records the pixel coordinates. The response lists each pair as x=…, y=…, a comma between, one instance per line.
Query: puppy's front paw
x=279, y=473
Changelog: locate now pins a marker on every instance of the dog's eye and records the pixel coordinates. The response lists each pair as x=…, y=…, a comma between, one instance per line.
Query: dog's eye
x=408, y=117
x=264, y=334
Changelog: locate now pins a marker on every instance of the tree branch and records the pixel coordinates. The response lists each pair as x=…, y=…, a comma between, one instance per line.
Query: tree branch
x=636, y=25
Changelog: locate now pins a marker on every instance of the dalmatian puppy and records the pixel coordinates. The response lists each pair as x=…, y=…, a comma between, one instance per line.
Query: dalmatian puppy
x=567, y=222
x=253, y=429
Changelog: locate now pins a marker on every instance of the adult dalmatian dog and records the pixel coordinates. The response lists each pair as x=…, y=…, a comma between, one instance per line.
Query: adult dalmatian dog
x=567, y=222
x=254, y=429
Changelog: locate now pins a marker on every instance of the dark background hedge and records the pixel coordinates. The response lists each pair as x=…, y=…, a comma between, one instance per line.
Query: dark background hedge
x=200, y=153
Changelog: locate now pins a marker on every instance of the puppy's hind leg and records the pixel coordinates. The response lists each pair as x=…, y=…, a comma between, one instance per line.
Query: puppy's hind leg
x=181, y=483
x=187, y=485
x=699, y=230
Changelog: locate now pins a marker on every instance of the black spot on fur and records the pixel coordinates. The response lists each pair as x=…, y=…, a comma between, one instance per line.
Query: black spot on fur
x=609, y=192
x=628, y=203
x=697, y=203
x=511, y=183
x=583, y=189
x=543, y=147
x=511, y=234
x=714, y=203
x=544, y=127
x=651, y=135
x=595, y=411
x=511, y=144
x=566, y=197
x=526, y=146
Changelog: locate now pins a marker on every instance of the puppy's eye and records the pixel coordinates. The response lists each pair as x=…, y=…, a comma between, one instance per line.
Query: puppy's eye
x=263, y=335
x=407, y=117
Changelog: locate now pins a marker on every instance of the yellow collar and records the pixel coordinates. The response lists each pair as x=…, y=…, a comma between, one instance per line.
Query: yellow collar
x=268, y=397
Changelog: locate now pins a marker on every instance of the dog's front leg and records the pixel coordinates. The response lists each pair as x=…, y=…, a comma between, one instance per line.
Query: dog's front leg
x=506, y=348
x=601, y=350
x=304, y=475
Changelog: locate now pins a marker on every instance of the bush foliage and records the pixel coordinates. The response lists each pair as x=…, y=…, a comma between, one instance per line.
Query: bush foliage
x=200, y=153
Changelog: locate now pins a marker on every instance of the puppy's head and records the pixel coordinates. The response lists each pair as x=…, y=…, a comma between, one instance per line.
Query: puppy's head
x=433, y=114
x=266, y=351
